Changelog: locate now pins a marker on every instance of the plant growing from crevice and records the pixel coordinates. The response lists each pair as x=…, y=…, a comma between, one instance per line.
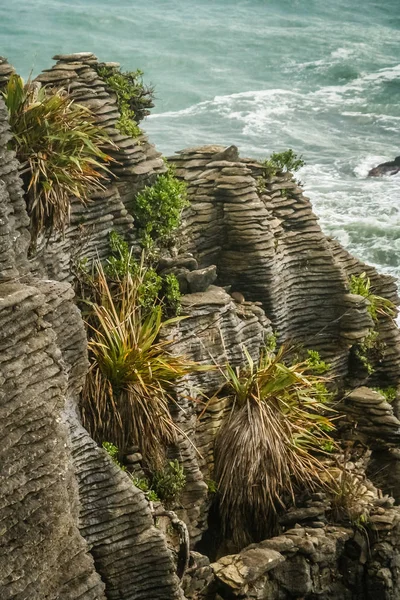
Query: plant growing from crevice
x=143, y=484
x=349, y=502
x=370, y=349
x=158, y=210
x=169, y=482
x=132, y=374
x=134, y=98
x=155, y=288
x=270, y=445
x=315, y=362
x=282, y=162
x=389, y=393
x=377, y=305
x=140, y=482
x=60, y=148
x=113, y=452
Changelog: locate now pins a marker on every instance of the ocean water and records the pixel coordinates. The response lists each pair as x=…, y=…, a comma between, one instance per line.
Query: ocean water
x=320, y=77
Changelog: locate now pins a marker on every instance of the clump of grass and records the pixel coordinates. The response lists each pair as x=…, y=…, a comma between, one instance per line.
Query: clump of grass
x=60, y=148
x=134, y=98
x=349, y=501
x=270, y=444
x=282, y=162
x=131, y=379
x=158, y=209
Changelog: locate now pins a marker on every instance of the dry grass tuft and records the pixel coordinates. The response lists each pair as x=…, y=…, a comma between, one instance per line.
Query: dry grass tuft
x=269, y=446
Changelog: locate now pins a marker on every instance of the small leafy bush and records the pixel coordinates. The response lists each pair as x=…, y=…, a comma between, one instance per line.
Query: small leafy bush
x=154, y=288
x=315, y=362
x=389, y=393
x=134, y=98
x=60, y=148
x=169, y=483
x=361, y=285
x=282, y=162
x=143, y=484
x=270, y=444
x=113, y=452
x=140, y=482
x=158, y=209
x=377, y=306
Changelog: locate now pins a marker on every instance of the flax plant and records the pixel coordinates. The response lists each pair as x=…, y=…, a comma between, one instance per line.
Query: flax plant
x=60, y=148
x=130, y=385
x=270, y=444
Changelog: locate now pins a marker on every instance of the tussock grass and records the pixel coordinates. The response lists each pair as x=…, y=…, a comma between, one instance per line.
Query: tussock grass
x=60, y=148
x=270, y=444
x=130, y=384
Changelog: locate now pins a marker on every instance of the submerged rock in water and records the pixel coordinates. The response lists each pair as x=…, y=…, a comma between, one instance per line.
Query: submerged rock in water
x=387, y=168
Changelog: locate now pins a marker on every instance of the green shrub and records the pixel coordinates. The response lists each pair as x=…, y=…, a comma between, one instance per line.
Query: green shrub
x=171, y=294
x=316, y=364
x=134, y=99
x=60, y=149
x=158, y=209
x=113, y=451
x=282, y=162
x=169, y=483
x=154, y=288
x=361, y=285
x=143, y=484
x=389, y=393
x=377, y=305
x=271, y=342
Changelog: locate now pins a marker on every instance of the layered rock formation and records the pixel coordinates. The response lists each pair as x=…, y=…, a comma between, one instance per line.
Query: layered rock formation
x=252, y=261
x=72, y=524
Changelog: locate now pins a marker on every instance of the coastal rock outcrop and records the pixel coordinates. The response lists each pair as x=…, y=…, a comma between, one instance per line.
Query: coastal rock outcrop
x=73, y=525
x=387, y=168
x=253, y=265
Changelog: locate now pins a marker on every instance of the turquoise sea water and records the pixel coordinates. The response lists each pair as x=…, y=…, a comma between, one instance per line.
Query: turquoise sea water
x=320, y=77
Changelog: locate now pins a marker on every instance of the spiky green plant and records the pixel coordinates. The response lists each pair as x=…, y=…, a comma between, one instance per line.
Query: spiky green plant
x=270, y=444
x=60, y=148
x=129, y=387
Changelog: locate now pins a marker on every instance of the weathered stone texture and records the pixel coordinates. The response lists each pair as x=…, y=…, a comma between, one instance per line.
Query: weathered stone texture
x=267, y=245
x=60, y=494
x=137, y=163
x=42, y=554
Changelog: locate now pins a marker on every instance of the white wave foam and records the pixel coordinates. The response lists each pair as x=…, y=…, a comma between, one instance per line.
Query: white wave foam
x=367, y=163
x=343, y=53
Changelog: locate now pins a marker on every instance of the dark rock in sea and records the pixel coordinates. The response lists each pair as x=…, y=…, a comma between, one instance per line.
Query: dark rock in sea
x=387, y=168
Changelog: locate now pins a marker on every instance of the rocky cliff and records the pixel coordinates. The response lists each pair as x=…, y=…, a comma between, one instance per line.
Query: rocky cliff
x=251, y=260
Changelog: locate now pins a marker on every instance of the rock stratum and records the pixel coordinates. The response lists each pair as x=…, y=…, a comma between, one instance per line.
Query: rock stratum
x=252, y=260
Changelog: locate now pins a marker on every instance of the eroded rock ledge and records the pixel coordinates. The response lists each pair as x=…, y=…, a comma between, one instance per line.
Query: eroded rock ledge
x=252, y=261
